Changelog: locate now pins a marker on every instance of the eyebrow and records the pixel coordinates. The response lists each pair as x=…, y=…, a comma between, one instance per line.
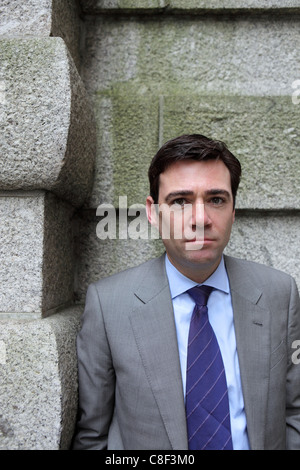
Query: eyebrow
x=176, y=194
x=215, y=192
x=210, y=192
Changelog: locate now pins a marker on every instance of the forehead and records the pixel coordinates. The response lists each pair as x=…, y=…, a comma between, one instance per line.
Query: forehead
x=194, y=175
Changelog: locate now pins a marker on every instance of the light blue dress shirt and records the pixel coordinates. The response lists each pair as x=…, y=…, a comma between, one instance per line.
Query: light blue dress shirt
x=221, y=318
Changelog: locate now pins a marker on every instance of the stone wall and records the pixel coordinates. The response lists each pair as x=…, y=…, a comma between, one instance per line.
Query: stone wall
x=47, y=154
x=88, y=92
x=227, y=69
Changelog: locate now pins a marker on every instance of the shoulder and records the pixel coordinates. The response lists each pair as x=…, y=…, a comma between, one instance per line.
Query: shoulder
x=123, y=291
x=135, y=275
x=259, y=274
x=253, y=266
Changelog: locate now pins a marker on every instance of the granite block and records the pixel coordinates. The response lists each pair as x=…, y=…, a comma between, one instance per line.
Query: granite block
x=176, y=54
x=42, y=18
x=38, y=381
x=47, y=127
x=98, y=6
x=263, y=132
x=36, y=256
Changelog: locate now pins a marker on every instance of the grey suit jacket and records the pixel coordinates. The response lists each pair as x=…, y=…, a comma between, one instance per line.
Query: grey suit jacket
x=130, y=386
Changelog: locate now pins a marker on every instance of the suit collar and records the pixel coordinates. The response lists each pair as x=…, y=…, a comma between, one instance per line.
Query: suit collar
x=240, y=281
x=153, y=281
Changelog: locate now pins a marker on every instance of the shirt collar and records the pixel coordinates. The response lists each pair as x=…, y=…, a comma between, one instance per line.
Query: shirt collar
x=180, y=283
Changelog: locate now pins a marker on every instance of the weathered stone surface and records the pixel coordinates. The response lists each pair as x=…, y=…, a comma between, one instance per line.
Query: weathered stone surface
x=263, y=132
x=66, y=23
x=270, y=238
x=47, y=128
x=21, y=235
x=36, y=257
x=38, y=382
x=42, y=18
x=94, y=6
x=58, y=256
x=234, y=4
x=127, y=139
x=208, y=56
x=23, y=18
x=151, y=80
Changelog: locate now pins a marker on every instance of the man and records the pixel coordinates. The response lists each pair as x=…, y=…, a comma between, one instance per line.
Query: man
x=140, y=387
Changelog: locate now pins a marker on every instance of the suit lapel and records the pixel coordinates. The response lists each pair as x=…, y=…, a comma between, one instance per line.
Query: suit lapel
x=155, y=334
x=251, y=323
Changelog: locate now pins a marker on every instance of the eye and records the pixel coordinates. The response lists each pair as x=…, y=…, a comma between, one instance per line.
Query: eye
x=179, y=201
x=217, y=200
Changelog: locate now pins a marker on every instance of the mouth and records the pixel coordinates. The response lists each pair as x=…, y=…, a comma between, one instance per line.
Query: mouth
x=203, y=241
x=196, y=244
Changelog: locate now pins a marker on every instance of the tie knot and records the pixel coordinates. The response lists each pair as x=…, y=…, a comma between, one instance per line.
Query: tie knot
x=200, y=294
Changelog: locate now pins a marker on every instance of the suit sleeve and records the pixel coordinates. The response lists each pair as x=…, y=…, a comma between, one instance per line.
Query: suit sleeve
x=96, y=378
x=293, y=373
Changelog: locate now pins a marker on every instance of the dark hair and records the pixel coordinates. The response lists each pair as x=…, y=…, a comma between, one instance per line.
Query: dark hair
x=195, y=147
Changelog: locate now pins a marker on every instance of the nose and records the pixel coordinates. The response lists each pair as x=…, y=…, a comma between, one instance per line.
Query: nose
x=200, y=217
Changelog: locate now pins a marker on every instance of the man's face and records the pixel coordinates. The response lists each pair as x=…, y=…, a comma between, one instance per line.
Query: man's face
x=206, y=188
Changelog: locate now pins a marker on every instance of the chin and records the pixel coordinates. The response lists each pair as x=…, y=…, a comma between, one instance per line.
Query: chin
x=203, y=256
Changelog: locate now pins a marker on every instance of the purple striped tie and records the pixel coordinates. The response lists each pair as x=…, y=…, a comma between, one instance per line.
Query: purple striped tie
x=207, y=406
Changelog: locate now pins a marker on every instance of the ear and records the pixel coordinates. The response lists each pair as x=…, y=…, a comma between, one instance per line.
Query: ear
x=152, y=214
